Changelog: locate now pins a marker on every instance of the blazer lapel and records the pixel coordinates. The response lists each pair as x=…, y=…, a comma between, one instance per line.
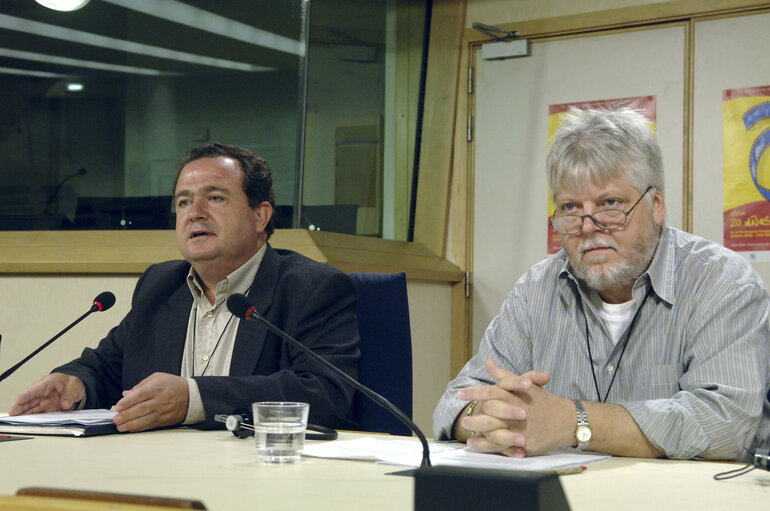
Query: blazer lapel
x=168, y=354
x=250, y=337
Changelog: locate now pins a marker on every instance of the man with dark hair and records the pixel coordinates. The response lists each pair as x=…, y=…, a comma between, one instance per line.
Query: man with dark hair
x=636, y=339
x=179, y=356
x=257, y=177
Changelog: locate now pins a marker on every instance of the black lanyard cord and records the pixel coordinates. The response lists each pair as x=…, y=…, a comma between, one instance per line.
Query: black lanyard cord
x=622, y=351
x=195, y=334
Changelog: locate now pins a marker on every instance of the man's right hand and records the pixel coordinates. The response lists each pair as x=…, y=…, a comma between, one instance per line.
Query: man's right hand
x=55, y=392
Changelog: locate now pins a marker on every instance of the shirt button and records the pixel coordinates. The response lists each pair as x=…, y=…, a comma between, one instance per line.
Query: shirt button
x=209, y=314
x=610, y=368
x=205, y=358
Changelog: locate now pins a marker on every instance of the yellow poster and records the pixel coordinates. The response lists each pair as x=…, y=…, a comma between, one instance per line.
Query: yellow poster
x=644, y=104
x=746, y=173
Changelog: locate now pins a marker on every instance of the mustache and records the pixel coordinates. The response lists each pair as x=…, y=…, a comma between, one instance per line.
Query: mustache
x=592, y=243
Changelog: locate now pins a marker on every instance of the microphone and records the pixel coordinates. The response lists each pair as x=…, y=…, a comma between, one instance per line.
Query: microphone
x=80, y=172
x=102, y=302
x=240, y=306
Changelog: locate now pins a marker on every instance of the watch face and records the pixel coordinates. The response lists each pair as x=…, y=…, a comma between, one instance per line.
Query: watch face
x=583, y=434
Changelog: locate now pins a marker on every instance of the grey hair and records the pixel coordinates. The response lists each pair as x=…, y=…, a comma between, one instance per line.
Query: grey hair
x=595, y=146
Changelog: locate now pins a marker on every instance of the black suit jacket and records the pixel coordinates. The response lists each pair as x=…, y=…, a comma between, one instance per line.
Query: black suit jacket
x=311, y=301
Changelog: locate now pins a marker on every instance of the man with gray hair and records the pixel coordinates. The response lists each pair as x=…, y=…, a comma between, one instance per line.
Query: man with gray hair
x=636, y=339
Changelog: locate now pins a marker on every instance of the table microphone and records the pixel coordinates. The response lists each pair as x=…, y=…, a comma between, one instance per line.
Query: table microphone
x=241, y=307
x=102, y=302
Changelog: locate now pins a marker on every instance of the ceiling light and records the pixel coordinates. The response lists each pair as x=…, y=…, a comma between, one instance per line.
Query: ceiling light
x=74, y=87
x=63, y=5
x=29, y=72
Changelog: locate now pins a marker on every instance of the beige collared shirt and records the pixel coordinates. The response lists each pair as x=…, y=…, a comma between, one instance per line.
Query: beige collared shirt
x=211, y=331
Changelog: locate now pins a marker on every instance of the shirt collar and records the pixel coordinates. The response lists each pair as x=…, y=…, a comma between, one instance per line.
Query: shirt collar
x=239, y=281
x=660, y=272
x=662, y=267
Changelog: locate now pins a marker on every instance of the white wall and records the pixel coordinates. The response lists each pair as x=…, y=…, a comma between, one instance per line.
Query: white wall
x=35, y=308
x=429, y=314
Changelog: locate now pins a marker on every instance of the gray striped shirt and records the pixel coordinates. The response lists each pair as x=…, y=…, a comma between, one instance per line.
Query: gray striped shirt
x=696, y=370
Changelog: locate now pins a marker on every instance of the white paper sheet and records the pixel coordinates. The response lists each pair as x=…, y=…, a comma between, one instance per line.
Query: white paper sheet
x=409, y=453
x=84, y=417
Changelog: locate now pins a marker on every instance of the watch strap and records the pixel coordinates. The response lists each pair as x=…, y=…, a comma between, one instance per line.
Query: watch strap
x=582, y=418
x=582, y=423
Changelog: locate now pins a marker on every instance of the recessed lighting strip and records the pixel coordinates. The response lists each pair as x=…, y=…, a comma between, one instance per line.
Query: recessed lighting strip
x=179, y=12
x=87, y=38
x=66, y=61
x=29, y=72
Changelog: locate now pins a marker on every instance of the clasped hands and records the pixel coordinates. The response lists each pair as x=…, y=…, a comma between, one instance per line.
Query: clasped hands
x=516, y=416
x=159, y=400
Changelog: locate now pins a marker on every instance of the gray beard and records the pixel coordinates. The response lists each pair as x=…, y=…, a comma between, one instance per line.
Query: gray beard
x=630, y=267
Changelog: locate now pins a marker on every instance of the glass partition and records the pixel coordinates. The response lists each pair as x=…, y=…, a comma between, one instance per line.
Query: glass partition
x=365, y=70
x=97, y=104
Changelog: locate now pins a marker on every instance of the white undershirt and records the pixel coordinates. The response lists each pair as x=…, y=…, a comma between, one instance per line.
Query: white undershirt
x=616, y=316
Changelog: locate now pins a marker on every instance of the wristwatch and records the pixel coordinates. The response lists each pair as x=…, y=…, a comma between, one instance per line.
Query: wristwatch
x=583, y=431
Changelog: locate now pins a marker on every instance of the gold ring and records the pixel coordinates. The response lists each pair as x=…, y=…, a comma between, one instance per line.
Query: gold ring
x=469, y=413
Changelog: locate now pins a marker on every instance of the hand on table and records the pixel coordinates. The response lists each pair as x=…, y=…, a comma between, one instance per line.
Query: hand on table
x=159, y=400
x=55, y=392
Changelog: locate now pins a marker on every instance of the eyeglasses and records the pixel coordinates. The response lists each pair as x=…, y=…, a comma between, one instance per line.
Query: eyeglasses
x=607, y=219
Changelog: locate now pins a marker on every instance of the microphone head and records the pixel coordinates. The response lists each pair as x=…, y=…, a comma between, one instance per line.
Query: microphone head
x=81, y=171
x=239, y=306
x=104, y=301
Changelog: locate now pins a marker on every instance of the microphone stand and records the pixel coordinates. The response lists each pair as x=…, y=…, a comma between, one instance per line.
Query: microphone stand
x=238, y=303
x=13, y=369
x=102, y=302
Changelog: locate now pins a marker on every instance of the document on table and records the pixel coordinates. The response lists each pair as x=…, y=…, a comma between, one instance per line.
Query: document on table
x=409, y=453
x=57, y=418
x=75, y=423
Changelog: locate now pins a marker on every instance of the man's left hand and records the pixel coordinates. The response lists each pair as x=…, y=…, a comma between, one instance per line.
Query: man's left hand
x=518, y=416
x=159, y=400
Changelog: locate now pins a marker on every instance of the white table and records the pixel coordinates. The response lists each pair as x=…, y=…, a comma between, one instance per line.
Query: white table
x=222, y=472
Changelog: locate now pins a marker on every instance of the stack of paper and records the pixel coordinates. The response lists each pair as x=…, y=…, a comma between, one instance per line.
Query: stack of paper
x=77, y=423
